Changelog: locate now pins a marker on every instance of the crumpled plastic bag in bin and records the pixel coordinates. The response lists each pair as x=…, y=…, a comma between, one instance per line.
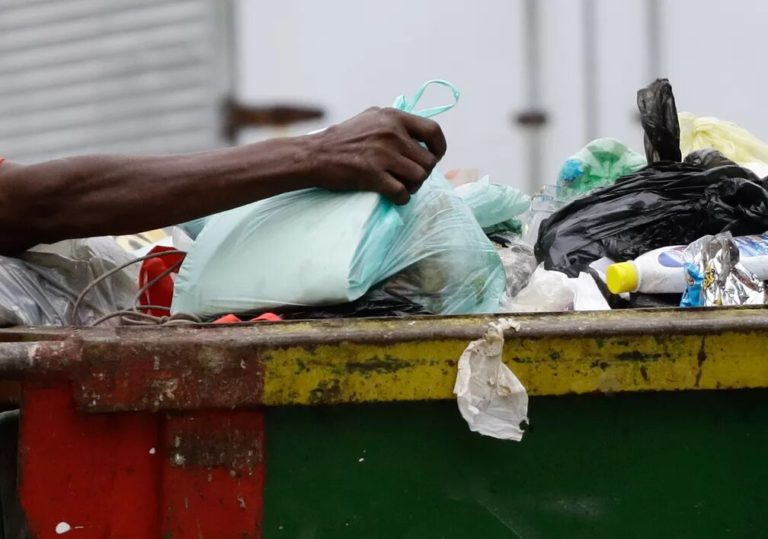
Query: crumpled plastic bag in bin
x=41, y=286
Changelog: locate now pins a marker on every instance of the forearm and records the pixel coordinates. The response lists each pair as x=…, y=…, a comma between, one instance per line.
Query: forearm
x=102, y=195
x=378, y=150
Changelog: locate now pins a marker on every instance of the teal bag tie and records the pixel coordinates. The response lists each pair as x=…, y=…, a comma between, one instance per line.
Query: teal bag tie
x=408, y=105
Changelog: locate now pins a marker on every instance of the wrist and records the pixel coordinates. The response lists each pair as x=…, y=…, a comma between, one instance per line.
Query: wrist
x=310, y=154
x=285, y=164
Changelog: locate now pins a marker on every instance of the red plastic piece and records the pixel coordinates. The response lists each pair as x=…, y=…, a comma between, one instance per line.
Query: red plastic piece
x=228, y=319
x=233, y=319
x=161, y=293
x=267, y=317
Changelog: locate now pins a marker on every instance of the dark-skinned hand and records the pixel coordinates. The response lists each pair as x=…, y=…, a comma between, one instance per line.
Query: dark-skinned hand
x=382, y=149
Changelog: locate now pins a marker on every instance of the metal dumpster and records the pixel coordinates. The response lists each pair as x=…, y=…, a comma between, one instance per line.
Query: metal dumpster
x=643, y=424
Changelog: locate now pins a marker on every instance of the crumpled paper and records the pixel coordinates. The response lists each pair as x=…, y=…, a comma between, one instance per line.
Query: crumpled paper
x=491, y=399
x=715, y=277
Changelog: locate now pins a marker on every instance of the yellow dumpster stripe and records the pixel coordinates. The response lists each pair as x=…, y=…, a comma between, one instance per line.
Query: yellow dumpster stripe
x=546, y=365
x=356, y=361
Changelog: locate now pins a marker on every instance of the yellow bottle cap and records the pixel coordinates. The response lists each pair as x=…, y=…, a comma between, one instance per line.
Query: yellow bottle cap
x=621, y=277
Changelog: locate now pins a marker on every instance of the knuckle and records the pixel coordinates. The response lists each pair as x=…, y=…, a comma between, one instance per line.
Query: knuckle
x=389, y=112
x=392, y=117
x=386, y=124
x=419, y=173
x=433, y=129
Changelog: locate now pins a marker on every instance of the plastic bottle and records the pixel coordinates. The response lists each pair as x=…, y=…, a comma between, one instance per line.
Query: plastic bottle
x=661, y=271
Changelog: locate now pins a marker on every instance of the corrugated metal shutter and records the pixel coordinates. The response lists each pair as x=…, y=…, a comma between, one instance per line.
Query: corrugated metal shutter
x=96, y=76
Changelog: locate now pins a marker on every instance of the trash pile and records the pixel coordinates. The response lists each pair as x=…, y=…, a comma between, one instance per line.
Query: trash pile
x=682, y=225
x=662, y=230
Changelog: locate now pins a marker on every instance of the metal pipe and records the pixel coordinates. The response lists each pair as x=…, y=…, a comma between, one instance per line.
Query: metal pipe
x=534, y=120
x=589, y=51
x=653, y=27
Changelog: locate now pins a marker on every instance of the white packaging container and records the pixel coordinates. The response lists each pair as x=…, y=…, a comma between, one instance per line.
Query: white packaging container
x=661, y=271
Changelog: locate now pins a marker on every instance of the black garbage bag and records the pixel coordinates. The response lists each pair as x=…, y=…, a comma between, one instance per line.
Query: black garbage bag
x=666, y=203
x=707, y=159
x=375, y=303
x=655, y=301
x=658, y=114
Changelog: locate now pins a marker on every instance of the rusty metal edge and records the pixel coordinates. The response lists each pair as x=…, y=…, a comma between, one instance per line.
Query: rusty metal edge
x=277, y=353
x=390, y=330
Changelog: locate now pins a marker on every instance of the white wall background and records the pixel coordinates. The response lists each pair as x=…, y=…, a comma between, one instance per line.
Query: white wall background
x=346, y=56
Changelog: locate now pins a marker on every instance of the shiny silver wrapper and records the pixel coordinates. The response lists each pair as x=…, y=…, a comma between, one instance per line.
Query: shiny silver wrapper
x=725, y=280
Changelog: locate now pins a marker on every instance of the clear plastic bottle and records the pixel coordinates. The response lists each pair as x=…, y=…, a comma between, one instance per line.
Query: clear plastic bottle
x=543, y=204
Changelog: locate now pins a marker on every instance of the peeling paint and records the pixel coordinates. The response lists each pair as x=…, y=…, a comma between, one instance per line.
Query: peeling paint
x=380, y=360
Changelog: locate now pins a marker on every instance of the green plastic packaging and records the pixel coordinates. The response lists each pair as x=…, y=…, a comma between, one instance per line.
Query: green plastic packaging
x=599, y=164
x=492, y=203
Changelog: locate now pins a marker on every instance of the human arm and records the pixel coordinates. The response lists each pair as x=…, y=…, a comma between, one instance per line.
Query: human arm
x=377, y=150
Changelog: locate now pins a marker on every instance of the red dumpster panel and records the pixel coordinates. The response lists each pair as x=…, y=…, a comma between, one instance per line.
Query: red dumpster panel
x=96, y=474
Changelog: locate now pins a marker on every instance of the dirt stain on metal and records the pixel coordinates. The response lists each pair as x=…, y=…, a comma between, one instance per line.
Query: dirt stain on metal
x=211, y=360
x=635, y=355
x=701, y=358
x=644, y=373
x=326, y=392
x=386, y=364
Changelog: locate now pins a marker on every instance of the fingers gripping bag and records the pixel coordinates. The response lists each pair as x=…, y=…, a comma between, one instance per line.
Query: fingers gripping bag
x=317, y=247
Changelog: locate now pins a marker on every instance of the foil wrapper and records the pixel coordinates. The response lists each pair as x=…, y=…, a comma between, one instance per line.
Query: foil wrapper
x=716, y=277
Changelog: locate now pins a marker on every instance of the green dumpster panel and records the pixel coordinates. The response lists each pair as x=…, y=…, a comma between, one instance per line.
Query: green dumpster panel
x=674, y=464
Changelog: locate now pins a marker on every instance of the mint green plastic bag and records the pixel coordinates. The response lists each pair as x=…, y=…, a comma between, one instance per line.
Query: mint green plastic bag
x=599, y=164
x=491, y=203
x=317, y=247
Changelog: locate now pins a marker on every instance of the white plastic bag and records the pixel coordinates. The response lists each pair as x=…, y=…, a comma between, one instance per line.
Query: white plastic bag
x=586, y=294
x=491, y=399
x=547, y=291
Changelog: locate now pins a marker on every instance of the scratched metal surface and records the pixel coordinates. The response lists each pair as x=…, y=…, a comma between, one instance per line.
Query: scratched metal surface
x=375, y=360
